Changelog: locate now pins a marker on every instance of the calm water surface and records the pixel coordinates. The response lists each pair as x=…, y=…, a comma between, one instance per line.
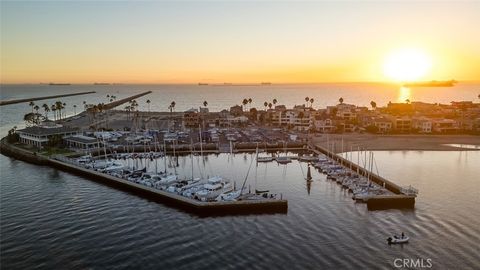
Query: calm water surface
x=53, y=219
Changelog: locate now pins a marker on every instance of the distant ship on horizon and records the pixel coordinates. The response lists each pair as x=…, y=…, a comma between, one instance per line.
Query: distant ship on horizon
x=449, y=83
x=202, y=83
x=59, y=83
x=101, y=83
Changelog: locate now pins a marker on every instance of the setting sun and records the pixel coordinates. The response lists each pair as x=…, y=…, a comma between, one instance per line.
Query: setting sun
x=407, y=65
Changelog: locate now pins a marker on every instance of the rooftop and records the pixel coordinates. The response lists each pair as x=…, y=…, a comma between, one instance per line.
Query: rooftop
x=38, y=130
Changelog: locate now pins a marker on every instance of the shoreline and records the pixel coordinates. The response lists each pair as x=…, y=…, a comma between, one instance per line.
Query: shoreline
x=406, y=142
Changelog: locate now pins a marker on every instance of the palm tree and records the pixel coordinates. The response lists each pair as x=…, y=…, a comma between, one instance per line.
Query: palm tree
x=245, y=102
x=407, y=101
x=311, y=102
x=265, y=104
x=205, y=104
x=274, y=101
x=307, y=99
x=340, y=100
x=75, y=109
x=373, y=104
x=173, y=104
x=58, y=107
x=46, y=109
x=54, y=109
x=31, y=104
x=84, y=105
x=250, y=102
x=148, y=103
x=270, y=105
x=64, y=105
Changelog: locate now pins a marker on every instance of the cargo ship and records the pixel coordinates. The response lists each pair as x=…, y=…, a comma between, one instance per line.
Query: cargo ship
x=449, y=83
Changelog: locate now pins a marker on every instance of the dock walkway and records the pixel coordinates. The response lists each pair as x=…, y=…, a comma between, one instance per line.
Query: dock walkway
x=399, y=198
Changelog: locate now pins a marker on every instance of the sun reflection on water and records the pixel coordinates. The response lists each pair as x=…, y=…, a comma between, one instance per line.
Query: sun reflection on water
x=404, y=94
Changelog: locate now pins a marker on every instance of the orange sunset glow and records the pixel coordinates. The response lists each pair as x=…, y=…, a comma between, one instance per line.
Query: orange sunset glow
x=234, y=42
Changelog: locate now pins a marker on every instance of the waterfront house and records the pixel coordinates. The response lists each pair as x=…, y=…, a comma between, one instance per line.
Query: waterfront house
x=422, y=125
x=445, y=126
x=82, y=142
x=383, y=124
x=40, y=135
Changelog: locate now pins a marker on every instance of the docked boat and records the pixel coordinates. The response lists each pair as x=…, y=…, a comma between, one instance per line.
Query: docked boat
x=264, y=159
x=230, y=196
x=283, y=160
x=115, y=167
x=213, y=188
x=398, y=239
x=307, y=158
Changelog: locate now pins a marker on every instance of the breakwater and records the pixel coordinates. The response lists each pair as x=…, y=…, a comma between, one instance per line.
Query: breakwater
x=14, y=101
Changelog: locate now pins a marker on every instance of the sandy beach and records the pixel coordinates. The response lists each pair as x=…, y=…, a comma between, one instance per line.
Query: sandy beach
x=399, y=142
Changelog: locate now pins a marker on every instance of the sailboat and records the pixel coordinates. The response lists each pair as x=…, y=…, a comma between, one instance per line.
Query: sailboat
x=285, y=159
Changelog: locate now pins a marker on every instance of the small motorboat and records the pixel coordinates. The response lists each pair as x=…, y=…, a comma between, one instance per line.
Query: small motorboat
x=398, y=239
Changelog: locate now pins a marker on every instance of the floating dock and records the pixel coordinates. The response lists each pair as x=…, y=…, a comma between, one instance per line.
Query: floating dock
x=241, y=207
x=257, y=206
x=375, y=202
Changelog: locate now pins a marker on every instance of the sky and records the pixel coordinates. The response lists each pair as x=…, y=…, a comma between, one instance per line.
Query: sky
x=236, y=42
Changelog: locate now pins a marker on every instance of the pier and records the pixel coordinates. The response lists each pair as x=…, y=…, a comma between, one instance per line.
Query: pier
x=399, y=198
x=200, y=208
x=14, y=101
x=244, y=206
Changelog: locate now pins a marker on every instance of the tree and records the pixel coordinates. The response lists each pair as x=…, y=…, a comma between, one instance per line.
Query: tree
x=75, y=109
x=148, y=103
x=407, y=101
x=205, y=103
x=274, y=101
x=265, y=104
x=270, y=105
x=36, y=108
x=85, y=105
x=13, y=137
x=31, y=104
x=59, y=107
x=373, y=104
x=253, y=114
x=250, y=102
x=311, y=102
x=46, y=109
x=32, y=119
x=340, y=100
x=307, y=99
x=54, y=111
x=245, y=102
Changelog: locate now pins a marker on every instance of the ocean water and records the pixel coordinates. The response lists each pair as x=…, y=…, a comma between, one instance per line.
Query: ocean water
x=53, y=219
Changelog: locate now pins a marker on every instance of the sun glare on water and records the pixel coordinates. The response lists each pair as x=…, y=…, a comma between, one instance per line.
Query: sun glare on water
x=406, y=65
